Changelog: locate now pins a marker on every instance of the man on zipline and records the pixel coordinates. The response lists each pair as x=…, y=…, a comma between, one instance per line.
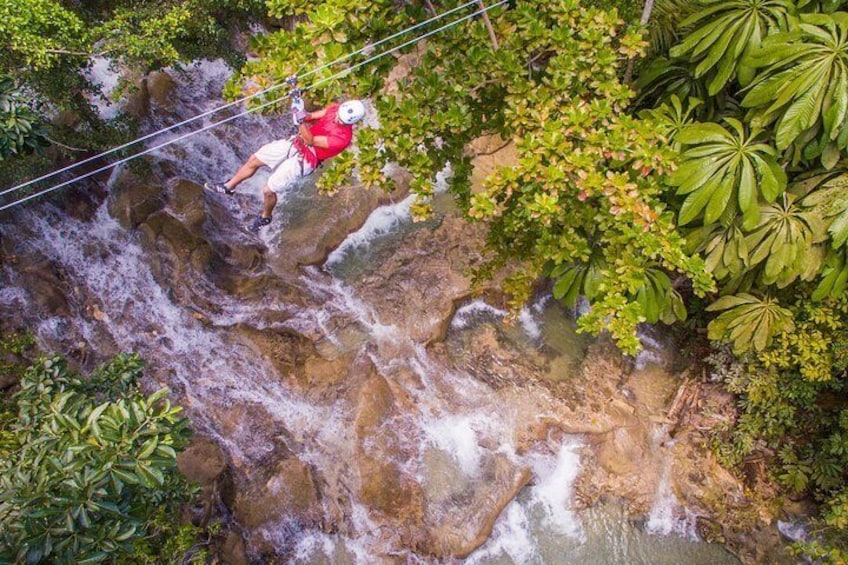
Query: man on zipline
x=329, y=133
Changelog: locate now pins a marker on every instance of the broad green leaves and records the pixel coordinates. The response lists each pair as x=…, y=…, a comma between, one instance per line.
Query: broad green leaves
x=784, y=241
x=723, y=171
x=748, y=322
x=94, y=460
x=826, y=196
x=802, y=87
x=726, y=31
x=21, y=131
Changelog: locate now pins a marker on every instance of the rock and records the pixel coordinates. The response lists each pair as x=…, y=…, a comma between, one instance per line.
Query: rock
x=132, y=202
x=309, y=237
x=160, y=88
x=416, y=288
x=186, y=200
x=284, y=494
x=43, y=284
x=374, y=405
x=232, y=551
x=202, y=461
x=136, y=101
x=456, y=535
x=489, y=153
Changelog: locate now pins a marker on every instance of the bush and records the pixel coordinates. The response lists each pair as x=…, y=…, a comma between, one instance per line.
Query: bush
x=88, y=466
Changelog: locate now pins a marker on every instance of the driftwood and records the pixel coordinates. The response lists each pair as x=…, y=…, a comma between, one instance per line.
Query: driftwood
x=686, y=395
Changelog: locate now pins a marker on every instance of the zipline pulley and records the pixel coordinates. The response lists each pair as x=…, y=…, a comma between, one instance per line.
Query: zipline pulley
x=298, y=106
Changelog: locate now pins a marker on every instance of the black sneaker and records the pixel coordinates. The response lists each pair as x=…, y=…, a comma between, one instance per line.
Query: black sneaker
x=218, y=187
x=258, y=224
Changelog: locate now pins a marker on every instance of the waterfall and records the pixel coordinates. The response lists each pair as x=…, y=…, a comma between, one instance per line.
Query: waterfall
x=458, y=438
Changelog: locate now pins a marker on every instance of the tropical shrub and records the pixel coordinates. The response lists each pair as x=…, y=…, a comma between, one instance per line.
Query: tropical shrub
x=89, y=466
x=802, y=88
x=724, y=32
x=791, y=396
x=21, y=128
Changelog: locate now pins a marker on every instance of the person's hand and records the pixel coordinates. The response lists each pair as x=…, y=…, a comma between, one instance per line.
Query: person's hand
x=304, y=134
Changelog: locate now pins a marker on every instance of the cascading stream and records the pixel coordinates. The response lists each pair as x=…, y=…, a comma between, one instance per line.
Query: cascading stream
x=454, y=439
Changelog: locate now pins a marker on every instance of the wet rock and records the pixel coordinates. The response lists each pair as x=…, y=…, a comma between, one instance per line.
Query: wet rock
x=417, y=287
x=132, y=202
x=160, y=88
x=309, y=237
x=186, y=200
x=232, y=551
x=391, y=495
x=201, y=461
x=284, y=494
x=43, y=283
x=456, y=535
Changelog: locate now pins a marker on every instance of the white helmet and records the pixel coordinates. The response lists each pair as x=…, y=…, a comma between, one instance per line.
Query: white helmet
x=351, y=112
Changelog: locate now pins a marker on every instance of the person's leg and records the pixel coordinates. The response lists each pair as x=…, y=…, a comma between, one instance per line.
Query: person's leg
x=283, y=176
x=245, y=172
x=269, y=200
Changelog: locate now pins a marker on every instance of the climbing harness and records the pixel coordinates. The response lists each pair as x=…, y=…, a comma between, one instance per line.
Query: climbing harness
x=248, y=111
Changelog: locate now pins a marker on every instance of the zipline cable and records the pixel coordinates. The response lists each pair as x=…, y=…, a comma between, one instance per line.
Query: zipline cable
x=235, y=102
x=249, y=111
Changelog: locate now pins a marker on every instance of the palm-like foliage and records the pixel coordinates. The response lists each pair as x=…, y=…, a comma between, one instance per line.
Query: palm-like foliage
x=728, y=30
x=828, y=200
x=724, y=248
x=834, y=276
x=659, y=301
x=802, y=85
x=672, y=116
x=748, y=322
x=663, y=78
x=786, y=242
x=721, y=169
x=664, y=25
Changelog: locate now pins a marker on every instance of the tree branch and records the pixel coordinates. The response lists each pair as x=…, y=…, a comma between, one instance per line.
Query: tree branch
x=489, y=27
x=643, y=21
x=62, y=145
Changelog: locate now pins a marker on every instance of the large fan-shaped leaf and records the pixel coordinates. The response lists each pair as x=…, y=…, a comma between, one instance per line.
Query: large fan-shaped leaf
x=802, y=85
x=748, y=322
x=783, y=242
x=724, y=248
x=828, y=200
x=834, y=276
x=720, y=165
x=673, y=115
x=725, y=31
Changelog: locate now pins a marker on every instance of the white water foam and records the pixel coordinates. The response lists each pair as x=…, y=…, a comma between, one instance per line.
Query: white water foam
x=652, y=353
x=542, y=510
x=13, y=297
x=382, y=221
x=530, y=324
x=553, y=488
x=667, y=516
x=102, y=74
x=468, y=313
x=458, y=435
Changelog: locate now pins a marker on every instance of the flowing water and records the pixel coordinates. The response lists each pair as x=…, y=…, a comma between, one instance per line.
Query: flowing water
x=459, y=426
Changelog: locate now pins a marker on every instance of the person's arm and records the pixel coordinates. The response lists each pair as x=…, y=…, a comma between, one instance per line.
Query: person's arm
x=312, y=116
x=312, y=140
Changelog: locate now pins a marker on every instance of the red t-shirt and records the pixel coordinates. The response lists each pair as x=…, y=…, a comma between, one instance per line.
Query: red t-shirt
x=338, y=137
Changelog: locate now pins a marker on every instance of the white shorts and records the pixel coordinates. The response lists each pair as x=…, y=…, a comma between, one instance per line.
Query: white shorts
x=287, y=163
